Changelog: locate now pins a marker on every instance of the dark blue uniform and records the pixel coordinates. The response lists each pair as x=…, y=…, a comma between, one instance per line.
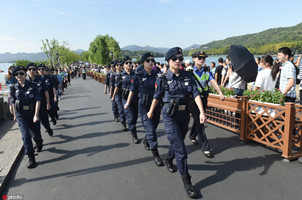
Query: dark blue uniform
x=177, y=89
x=132, y=111
x=143, y=83
x=110, y=81
x=118, y=96
x=43, y=114
x=50, y=82
x=25, y=99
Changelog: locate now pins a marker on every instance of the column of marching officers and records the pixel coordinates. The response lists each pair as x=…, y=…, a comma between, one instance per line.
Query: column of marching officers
x=178, y=93
x=34, y=99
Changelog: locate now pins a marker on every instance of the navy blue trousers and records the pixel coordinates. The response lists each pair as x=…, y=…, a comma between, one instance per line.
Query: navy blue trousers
x=29, y=130
x=119, y=104
x=150, y=125
x=131, y=113
x=176, y=127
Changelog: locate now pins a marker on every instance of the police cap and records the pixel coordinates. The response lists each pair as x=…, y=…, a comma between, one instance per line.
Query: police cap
x=125, y=59
x=30, y=64
x=199, y=54
x=41, y=65
x=172, y=52
x=145, y=56
x=18, y=68
x=115, y=62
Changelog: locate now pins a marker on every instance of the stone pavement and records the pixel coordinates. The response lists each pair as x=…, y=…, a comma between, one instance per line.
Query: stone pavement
x=89, y=157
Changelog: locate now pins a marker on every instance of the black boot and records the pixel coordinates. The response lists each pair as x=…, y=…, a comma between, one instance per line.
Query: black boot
x=39, y=147
x=124, y=127
x=158, y=161
x=116, y=119
x=50, y=132
x=169, y=164
x=31, y=161
x=188, y=185
x=134, y=137
x=146, y=144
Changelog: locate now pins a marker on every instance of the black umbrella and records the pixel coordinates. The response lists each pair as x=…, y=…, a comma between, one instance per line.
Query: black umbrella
x=243, y=62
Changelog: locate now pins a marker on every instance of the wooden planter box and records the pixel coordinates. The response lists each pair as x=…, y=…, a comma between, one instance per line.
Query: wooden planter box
x=98, y=77
x=228, y=114
x=276, y=126
x=103, y=79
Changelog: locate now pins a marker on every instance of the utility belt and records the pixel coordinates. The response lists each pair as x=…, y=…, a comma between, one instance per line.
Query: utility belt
x=146, y=99
x=173, y=105
x=125, y=93
x=20, y=107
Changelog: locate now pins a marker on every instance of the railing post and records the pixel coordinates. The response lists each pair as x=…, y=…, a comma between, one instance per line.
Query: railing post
x=288, y=130
x=243, y=122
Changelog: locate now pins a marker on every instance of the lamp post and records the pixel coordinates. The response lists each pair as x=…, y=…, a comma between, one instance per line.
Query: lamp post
x=57, y=58
x=111, y=53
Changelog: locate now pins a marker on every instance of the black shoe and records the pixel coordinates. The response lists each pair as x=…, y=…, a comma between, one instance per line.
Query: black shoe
x=208, y=154
x=39, y=147
x=116, y=119
x=31, y=162
x=188, y=186
x=146, y=144
x=134, y=137
x=50, y=132
x=124, y=127
x=54, y=122
x=169, y=164
x=195, y=142
x=158, y=161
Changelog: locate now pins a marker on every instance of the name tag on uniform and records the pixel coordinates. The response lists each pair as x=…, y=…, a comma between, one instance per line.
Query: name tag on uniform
x=169, y=82
x=123, y=77
x=144, y=79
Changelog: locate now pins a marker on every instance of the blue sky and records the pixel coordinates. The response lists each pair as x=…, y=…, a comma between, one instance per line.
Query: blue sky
x=157, y=23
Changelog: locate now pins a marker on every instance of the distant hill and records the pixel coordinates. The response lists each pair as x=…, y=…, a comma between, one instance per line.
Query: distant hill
x=270, y=36
x=146, y=48
x=9, y=57
x=192, y=47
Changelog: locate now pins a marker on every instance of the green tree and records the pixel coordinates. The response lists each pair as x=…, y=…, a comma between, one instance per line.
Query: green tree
x=100, y=49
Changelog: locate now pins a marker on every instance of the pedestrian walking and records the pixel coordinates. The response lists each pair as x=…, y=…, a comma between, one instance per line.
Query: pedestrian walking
x=143, y=84
x=26, y=105
x=175, y=89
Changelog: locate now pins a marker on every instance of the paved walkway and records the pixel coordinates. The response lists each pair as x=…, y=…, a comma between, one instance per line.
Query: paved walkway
x=90, y=158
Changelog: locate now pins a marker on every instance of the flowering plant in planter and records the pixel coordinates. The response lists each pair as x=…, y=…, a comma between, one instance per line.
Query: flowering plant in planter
x=228, y=92
x=267, y=96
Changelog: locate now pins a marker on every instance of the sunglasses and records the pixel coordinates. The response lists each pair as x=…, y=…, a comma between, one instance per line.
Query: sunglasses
x=150, y=60
x=180, y=58
x=32, y=69
x=20, y=73
x=201, y=58
x=41, y=69
x=118, y=65
x=126, y=63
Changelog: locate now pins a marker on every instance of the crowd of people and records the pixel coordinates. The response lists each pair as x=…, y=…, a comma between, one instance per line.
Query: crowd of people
x=177, y=90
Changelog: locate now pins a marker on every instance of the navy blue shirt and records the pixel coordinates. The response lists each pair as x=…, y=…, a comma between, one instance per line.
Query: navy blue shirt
x=144, y=83
x=27, y=94
x=180, y=87
x=40, y=84
x=126, y=79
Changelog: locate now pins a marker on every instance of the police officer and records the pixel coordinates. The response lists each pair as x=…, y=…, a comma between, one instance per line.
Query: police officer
x=143, y=83
x=50, y=89
x=117, y=94
x=175, y=88
x=202, y=76
x=43, y=90
x=130, y=110
x=26, y=105
x=51, y=82
x=109, y=83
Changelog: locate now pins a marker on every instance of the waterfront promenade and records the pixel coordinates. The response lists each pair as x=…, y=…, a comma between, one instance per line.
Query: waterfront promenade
x=89, y=157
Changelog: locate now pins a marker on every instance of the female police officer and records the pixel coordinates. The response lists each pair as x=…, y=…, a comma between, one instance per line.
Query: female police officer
x=117, y=94
x=175, y=89
x=26, y=106
x=144, y=82
x=131, y=110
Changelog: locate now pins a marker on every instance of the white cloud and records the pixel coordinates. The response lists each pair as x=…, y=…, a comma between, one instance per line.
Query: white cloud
x=60, y=12
x=5, y=38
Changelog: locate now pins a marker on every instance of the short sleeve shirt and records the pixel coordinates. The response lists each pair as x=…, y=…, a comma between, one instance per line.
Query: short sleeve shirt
x=288, y=71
